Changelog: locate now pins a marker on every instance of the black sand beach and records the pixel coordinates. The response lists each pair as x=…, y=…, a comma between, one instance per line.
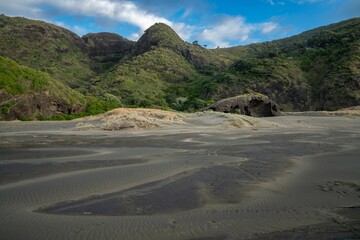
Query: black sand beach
x=288, y=177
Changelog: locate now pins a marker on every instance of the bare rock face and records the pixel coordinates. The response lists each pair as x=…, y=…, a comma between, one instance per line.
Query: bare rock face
x=107, y=48
x=102, y=44
x=31, y=106
x=255, y=105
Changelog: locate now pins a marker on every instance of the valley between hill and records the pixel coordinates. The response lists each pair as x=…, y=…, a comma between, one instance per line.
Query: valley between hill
x=140, y=158
x=315, y=70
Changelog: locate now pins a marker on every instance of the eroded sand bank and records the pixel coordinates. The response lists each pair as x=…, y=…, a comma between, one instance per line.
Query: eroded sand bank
x=199, y=177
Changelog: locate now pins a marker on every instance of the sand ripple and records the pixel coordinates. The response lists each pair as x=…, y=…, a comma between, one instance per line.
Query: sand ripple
x=197, y=183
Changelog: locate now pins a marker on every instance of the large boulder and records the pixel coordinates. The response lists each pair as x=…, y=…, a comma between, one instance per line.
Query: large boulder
x=256, y=105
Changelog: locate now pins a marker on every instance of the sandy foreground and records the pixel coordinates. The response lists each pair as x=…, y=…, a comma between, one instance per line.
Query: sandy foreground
x=177, y=176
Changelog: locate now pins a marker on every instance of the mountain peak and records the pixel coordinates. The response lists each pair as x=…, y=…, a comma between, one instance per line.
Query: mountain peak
x=159, y=35
x=160, y=27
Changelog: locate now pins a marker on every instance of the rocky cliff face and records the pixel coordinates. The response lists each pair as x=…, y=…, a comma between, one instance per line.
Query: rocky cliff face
x=251, y=105
x=34, y=106
x=107, y=49
x=26, y=93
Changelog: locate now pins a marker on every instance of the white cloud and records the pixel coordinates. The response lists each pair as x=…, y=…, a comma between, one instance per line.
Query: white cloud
x=77, y=29
x=313, y=1
x=184, y=31
x=234, y=29
x=120, y=11
x=26, y=8
x=123, y=11
x=224, y=32
x=273, y=2
x=268, y=27
x=228, y=29
x=276, y=2
x=135, y=36
x=349, y=9
x=60, y=24
x=187, y=13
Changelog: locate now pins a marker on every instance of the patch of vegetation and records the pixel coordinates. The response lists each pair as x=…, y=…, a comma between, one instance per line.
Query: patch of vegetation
x=192, y=95
x=162, y=70
x=45, y=47
x=5, y=108
x=142, y=80
x=288, y=70
x=315, y=70
x=94, y=106
x=16, y=79
x=159, y=36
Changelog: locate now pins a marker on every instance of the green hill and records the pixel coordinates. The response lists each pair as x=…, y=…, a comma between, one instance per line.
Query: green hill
x=162, y=36
x=45, y=47
x=26, y=93
x=161, y=71
x=315, y=70
x=159, y=35
x=142, y=80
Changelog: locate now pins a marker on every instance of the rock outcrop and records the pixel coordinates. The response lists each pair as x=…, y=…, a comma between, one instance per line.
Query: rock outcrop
x=107, y=48
x=27, y=94
x=33, y=106
x=255, y=105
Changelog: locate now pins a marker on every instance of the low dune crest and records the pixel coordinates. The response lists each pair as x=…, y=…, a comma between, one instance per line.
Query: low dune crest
x=131, y=118
x=142, y=119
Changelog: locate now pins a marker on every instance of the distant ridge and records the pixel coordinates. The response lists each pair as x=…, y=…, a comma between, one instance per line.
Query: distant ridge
x=314, y=70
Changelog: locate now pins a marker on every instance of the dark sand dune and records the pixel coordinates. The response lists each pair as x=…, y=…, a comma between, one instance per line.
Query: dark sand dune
x=290, y=177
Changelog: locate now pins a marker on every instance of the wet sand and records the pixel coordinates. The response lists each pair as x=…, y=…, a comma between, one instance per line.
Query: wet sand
x=291, y=177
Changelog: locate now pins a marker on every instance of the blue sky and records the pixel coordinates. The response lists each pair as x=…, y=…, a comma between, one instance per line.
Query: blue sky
x=211, y=22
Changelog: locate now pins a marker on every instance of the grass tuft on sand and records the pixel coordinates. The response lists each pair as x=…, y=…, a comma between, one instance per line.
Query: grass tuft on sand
x=143, y=119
